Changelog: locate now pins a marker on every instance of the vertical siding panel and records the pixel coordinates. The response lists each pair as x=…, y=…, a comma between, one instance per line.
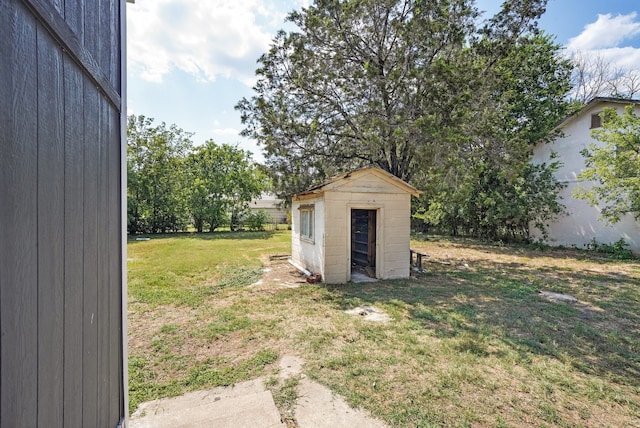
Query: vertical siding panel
x=50, y=302
x=74, y=226
x=105, y=24
x=74, y=16
x=18, y=191
x=115, y=268
x=115, y=51
x=60, y=258
x=90, y=377
x=103, y=274
x=90, y=27
x=90, y=272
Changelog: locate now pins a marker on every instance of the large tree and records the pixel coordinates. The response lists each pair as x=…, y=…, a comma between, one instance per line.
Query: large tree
x=221, y=182
x=415, y=87
x=488, y=188
x=359, y=84
x=393, y=83
x=612, y=173
x=155, y=193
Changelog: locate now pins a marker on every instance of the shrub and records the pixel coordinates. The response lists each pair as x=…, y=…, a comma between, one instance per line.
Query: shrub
x=617, y=250
x=255, y=220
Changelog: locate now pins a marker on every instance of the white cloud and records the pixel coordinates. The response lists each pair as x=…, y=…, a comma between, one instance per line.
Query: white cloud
x=208, y=39
x=607, y=32
x=628, y=57
x=226, y=132
x=611, y=40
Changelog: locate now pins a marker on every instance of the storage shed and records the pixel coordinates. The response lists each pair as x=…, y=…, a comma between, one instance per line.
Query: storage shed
x=62, y=210
x=354, y=222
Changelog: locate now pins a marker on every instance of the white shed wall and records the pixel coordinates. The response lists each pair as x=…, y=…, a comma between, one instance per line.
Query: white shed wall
x=392, y=233
x=304, y=252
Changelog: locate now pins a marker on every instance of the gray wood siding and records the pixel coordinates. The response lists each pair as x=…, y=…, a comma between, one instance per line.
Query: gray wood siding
x=61, y=342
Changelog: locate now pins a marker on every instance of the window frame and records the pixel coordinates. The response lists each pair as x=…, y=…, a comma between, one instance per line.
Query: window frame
x=307, y=222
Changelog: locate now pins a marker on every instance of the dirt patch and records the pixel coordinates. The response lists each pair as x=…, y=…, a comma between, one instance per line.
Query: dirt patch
x=280, y=273
x=145, y=324
x=370, y=313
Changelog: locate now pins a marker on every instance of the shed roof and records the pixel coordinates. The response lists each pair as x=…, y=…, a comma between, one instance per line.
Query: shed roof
x=342, y=179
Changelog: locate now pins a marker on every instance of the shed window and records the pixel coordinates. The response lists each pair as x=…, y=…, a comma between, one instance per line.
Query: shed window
x=596, y=120
x=306, y=222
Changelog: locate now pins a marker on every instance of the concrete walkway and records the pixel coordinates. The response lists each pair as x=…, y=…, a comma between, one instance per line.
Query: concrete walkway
x=250, y=404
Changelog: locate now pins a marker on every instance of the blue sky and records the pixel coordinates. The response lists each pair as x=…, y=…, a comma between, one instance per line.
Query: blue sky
x=191, y=61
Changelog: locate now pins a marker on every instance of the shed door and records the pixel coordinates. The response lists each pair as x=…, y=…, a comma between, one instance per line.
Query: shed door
x=363, y=237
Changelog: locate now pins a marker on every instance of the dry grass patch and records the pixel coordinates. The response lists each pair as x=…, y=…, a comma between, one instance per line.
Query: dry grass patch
x=471, y=342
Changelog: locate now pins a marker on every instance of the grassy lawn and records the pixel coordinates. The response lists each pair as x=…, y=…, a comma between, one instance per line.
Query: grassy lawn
x=472, y=341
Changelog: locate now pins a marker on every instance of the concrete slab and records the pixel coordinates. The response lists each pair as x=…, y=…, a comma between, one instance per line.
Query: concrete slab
x=361, y=277
x=318, y=407
x=290, y=366
x=559, y=297
x=250, y=404
x=247, y=404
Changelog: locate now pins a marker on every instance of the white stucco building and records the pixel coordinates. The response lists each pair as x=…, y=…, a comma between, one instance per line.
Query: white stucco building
x=582, y=222
x=359, y=219
x=270, y=204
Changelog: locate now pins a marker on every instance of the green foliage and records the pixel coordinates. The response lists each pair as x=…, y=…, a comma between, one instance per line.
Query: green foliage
x=222, y=182
x=155, y=190
x=613, y=166
x=490, y=190
x=255, y=220
x=362, y=82
x=420, y=90
x=172, y=184
x=618, y=250
x=495, y=205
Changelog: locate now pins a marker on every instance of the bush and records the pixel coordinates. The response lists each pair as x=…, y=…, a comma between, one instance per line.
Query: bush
x=617, y=250
x=255, y=220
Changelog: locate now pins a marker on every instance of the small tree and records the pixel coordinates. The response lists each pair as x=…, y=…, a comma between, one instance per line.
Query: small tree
x=222, y=181
x=614, y=165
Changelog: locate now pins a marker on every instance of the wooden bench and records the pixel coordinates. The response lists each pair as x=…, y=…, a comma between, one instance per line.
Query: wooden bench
x=418, y=258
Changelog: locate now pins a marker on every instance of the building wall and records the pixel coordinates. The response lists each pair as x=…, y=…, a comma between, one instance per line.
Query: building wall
x=309, y=254
x=582, y=223
x=392, y=233
x=270, y=205
x=276, y=215
x=337, y=238
x=331, y=253
x=61, y=302
x=397, y=236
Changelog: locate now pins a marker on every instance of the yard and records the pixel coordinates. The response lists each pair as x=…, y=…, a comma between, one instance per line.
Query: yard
x=472, y=342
